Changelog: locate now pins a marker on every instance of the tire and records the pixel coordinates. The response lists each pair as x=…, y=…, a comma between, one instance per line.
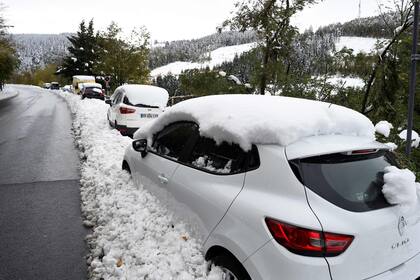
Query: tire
x=126, y=167
x=232, y=268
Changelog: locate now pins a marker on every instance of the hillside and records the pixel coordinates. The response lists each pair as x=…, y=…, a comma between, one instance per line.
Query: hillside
x=37, y=50
x=214, y=58
x=370, y=27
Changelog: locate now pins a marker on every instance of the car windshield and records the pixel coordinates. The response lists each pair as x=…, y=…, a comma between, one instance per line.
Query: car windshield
x=352, y=182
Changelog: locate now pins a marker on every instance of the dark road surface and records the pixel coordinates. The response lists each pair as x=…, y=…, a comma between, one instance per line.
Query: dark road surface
x=41, y=231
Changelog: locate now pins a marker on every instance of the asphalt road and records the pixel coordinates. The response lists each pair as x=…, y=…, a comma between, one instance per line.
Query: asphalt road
x=41, y=231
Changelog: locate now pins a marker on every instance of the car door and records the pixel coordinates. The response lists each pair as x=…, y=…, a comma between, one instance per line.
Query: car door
x=155, y=170
x=206, y=183
x=112, y=109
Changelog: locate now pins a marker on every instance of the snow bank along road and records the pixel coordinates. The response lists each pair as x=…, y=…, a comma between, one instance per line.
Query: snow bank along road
x=41, y=231
x=133, y=235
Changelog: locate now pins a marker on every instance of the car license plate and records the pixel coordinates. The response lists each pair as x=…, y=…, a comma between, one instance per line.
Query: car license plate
x=149, y=116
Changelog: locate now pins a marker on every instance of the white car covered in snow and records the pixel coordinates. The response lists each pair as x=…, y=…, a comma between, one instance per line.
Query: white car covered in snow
x=279, y=188
x=132, y=106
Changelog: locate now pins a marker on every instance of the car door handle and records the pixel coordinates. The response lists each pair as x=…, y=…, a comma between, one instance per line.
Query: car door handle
x=163, y=179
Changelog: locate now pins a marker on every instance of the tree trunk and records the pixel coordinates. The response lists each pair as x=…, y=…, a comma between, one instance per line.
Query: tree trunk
x=264, y=74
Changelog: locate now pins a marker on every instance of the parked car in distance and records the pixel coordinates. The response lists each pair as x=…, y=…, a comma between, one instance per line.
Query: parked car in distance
x=78, y=80
x=55, y=85
x=132, y=106
x=278, y=188
x=46, y=85
x=92, y=90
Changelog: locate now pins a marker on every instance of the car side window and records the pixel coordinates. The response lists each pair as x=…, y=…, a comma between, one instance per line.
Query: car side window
x=117, y=99
x=221, y=159
x=173, y=139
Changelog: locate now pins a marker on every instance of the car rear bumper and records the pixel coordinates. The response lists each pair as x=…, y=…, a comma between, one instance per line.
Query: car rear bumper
x=273, y=262
x=410, y=270
x=125, y=130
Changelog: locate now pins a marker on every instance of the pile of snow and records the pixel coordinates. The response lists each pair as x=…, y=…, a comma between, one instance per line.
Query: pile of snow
x=384, y=128
x=206, y=163
x=392, y=146
x=217, y=57
x=358, y=44
x=256, y=119
x=400, y=187
x=145, y=94
x=414, y=137
x=133, y=235
x=235, y=79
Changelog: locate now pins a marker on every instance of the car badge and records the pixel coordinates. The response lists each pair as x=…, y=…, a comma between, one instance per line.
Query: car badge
x=402, y=225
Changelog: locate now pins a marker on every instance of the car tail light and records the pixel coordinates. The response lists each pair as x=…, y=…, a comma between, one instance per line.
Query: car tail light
x=308, y=242
x=125, y=110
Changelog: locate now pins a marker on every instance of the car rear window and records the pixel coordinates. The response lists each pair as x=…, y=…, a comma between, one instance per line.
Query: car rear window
x=352, y=182
x=140, y=105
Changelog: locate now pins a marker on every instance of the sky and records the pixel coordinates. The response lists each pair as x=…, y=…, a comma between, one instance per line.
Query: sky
x=166, y=20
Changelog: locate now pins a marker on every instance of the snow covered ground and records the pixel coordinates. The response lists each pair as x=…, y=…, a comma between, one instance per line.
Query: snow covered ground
x=8, y=93
x=133, y=235
x=217, y=57
x=346, y=81
x=358, y=44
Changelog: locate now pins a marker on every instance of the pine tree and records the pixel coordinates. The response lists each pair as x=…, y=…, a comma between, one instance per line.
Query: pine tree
x=82, y=52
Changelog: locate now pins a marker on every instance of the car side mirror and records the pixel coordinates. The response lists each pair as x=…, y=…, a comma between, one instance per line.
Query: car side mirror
x=108, y=101
x=140, y=146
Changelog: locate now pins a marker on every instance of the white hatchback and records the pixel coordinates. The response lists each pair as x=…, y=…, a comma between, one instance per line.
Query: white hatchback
x=132, y=106
x=277, y=198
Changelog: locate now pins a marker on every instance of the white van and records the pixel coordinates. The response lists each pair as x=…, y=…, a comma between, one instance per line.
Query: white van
x=131, y=106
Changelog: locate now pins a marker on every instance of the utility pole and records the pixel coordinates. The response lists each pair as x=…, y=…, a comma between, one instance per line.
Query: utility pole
x=360, y=9
x=412, y=89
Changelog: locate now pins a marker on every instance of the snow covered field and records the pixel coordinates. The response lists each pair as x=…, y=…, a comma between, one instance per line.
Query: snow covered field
x=217, y=57
x=133, y=234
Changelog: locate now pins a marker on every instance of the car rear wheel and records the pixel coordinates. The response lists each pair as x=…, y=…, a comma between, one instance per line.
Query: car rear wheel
x=232, y=269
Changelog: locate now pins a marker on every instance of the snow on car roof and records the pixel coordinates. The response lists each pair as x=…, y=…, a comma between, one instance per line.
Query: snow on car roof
x=145, y=94
x=256, y=119
x=84, y=77
x=96, y=85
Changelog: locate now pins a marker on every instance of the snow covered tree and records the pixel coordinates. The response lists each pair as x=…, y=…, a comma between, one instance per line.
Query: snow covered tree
x=168, y=82
x=270, y=19
x=8, y=59
x=82, y=52
x=125, y=60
